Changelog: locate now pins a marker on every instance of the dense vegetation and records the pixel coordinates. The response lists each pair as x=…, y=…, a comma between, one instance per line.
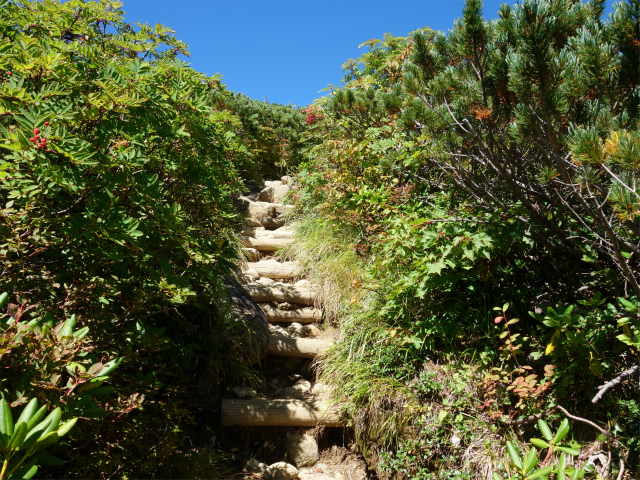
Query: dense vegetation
x=480, y=185
x=468, y=202
x=119, y=168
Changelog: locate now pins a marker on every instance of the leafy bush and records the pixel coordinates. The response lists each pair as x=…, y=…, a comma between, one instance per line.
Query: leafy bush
x=118, y=176
x=494, y=163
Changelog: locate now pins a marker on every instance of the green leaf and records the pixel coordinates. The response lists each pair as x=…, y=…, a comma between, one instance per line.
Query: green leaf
x=539, y=443
x=542, y=473
x=6, y=422
x=631, y=307
x=4, y=296
x=36, y=417
x=18, y=437
x=530, y=460
x=545, y=430
x=25, y=471
x=65, y=427
x=45, y=459
x=562, y=432
x=29, y=411
x=513, y=454
x=110, y=367
x=568, y=450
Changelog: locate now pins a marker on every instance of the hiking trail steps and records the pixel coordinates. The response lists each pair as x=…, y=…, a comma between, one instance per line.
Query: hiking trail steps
x=287, y=307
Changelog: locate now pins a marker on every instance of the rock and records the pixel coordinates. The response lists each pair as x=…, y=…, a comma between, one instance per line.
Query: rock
x=274, y=381
x=301, y=283
x=244, y=392
x=280, y=192
x=286, y=180
x=303, y=386
x=249, y=322
x=251, y=275
x=266, y=195
x=339, y=476
x=278, y=330
x=302, y=450
x=255, y=466
x=251, y=253
x=316, y=476
x=272, y=183
x=265, y=281
x=265, y=214
x=310, y=331
x=280, y=471
x=295, y=329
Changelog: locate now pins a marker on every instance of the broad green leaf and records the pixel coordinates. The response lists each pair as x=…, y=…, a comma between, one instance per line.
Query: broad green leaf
x=539, y=443
x=562, y=432
x=568, y=450
x=513, y=454
x=545, y=430
x=530, y=460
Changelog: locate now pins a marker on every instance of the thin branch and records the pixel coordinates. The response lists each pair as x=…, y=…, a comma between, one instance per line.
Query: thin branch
x=613, y=383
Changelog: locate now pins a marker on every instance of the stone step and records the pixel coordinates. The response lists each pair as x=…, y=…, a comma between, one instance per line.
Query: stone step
x=282, y=346
x=264, y=412
x=272, y=269
x=265, y=243
x=281, y=292
x=269, y=215
x=300, y=315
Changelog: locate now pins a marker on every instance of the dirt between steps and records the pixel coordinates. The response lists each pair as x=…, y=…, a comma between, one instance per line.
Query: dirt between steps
x=337, y=461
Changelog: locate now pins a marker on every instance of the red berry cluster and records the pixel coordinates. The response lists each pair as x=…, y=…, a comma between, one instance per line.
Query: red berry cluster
x=40, y=143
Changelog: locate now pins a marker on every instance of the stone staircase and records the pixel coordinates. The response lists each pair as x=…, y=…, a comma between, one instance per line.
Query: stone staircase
x=293, y=398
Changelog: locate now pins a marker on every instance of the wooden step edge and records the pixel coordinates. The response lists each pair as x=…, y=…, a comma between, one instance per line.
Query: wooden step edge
x=265, y=244
x=273, y=269
x=261, y=412
x=300, y=315
x=281, y=293
x=282, y=346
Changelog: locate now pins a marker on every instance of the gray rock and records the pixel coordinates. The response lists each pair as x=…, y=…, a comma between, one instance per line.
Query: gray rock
x=302, y=450
x=310, y=331
x=295, y=329
x=244, y=392
x=280, y=192
x=249, y=322
x=266, y=195
x=255, y=466
x=265, y=281
x=281, y=471
x=286, y=180
x=278, y=330
x=302, y=386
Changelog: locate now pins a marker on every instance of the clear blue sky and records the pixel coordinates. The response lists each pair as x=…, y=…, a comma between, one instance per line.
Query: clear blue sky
x=286, y=51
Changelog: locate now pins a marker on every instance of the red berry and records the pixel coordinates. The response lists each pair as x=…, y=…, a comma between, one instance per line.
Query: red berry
x=36, y=130
x=32, y=139
x=10, y=73
x=37, y=137
x=46, y=124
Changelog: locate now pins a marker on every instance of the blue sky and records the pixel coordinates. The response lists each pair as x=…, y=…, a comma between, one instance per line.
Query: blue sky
x=286, y=51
